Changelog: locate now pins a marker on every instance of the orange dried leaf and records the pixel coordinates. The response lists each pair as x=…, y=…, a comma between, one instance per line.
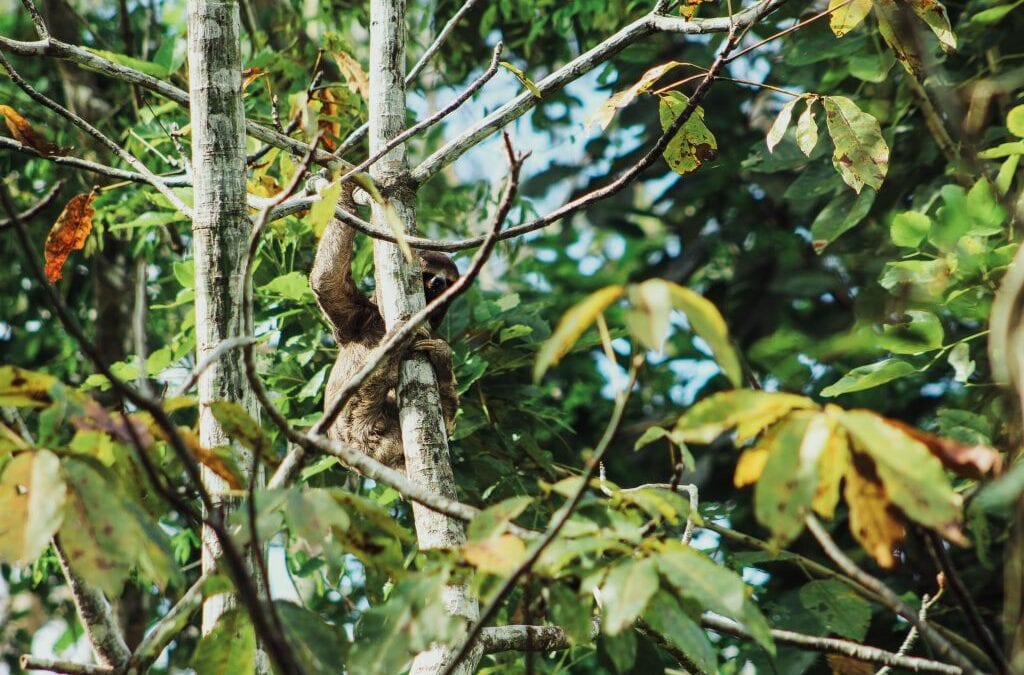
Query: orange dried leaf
x=353, y=72
x=250, y=75
x=217, y=460
x=24, y=133
x=330, y=128
x=969, y=461
x=69, y=233
x=874, y=522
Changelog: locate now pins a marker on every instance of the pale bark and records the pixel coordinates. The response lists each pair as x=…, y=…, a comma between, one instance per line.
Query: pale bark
x=220, y=230
x=400, y=294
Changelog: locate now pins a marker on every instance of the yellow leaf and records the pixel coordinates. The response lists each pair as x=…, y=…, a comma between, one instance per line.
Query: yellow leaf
x=322, y=210
x=872, y=519
x=847, y=15
x=572, y=325
x=32, y=494
x=831, y=466
x=750, y=466
x=620, y=99
x=651, y=309
x=496, y=555
x=521, y=76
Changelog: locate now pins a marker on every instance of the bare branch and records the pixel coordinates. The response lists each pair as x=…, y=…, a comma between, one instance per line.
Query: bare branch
x=581, y=65
x=889, y=598
x=212, y=357
x=29, y=662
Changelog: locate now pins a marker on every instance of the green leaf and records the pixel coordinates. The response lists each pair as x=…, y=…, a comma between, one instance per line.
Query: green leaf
x=322, y=210
x=933, y=13
x=571, y=612
x=32, y=494
x=320, y=647
x=750, y=411
x=291, y=286
x=782, y=498
x=151, y=69
x=494, y=519
x=185, y=273
x=919, y=332
x=987, y=214
x=521, y=76
x=707, y=322
x=572, y=325
x=896, y=33
x=650, y=435
x=239, y=424
x=995, y=14
x=837, y=607
x=909, y=228
x=1003, y=150
x=620, y=99
x=861, y=155
x=625, y=593
x=229, y=648
x=867, y=377
x=807, y=128
x=667, y=618
x=847, y=15
x=913, y=477
x=781, y=123
x=844, y=212
x=694, y=144
x=621, y=650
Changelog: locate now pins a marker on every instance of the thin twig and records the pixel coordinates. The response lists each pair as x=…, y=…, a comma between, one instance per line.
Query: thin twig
x=556, y=525
x=889, y=598
x=212, y=357
x=177, y=180
x=908, y=642
x=36, y=208
x=29, y=662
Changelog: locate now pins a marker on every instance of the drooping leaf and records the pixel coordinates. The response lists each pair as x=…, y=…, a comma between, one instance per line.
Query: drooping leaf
x=649, y=318
x=69, y=233
x=933, y=13
x=353, y=73
x=239, y=425
x=807, y=128
x=694, y=144
x=781, y=123
x=861, y=155
x=913, y=477
x=847, y=15
x=319, y=646
x=667, y=618
x=867, y=377
x=749, y=411
x=969, y=460
x=751, y=464
x=229, y=648
x=892, y=25
x=626, y=591
x=843, y=213
x=322, y=210
x=839, y=609
x=522, y=77
x=32, y=493
x=832, y=465
x=572, y=325
x=23, y=132
x=498, y=555
x=707, y=322
x=873, y=521
x=787, y=485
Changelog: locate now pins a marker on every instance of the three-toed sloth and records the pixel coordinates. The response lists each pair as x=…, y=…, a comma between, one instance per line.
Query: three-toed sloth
x=369, y=421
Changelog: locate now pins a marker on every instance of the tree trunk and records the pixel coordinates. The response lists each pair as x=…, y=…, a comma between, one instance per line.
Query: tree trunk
x=220, y=229
x=400, y=294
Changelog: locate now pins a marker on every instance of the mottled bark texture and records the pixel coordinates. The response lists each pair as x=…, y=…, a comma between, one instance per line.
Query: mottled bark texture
x=400, y=294
x=220, y=230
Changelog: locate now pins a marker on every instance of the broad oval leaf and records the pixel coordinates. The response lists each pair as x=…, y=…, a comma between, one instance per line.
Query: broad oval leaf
x=861, y=155
x=499, y=555
x=22, y=388
x=873, y=522
x=933, y=13
x=869, y=376
x=918, y=332
x=843, y=213
x=32, y=493
x=667, y=618
x=572, y=325
x=837, y=606
x=626, y=591
x=229, y=648
x=807, y=128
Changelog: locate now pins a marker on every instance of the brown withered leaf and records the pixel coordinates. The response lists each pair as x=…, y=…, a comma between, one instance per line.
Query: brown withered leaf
x=250, y=75
x=24, y=133
x=846, y=665
x=874, y=522
x=354, y=73
x=218, y=460
x=69, y=233
x=330, y=128
x=969, y=461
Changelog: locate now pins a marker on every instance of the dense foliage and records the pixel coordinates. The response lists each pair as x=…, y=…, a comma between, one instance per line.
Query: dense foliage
x=797, y=302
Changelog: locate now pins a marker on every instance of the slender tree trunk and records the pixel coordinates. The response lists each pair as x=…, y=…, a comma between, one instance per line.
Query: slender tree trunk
x=220, y=229
x=400, y=292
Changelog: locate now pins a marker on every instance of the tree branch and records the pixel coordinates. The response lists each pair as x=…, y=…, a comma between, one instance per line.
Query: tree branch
x=889, y=598
x=29, y=662
x=36, y=208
